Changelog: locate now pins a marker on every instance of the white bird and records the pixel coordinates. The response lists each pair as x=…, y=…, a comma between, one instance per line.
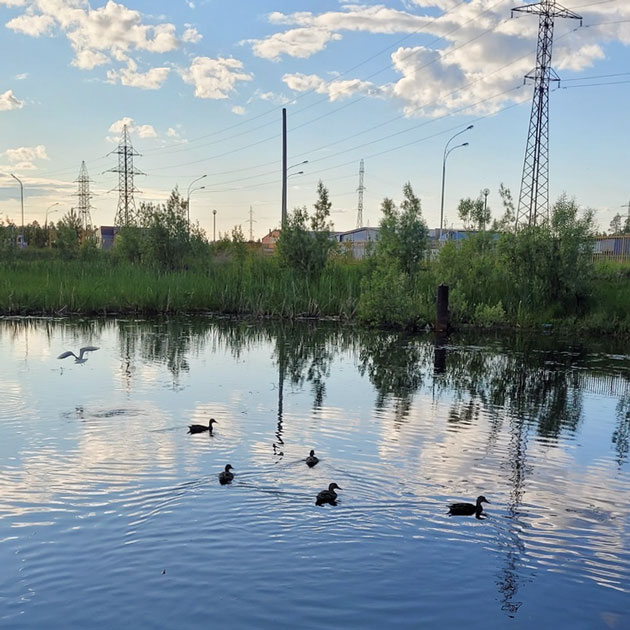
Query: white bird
x=82, y=351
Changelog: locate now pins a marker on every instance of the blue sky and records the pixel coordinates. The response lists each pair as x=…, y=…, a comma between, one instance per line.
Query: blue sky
x=201, y=84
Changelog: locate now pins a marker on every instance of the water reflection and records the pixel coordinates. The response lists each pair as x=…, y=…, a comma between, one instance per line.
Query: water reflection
x=406, y=423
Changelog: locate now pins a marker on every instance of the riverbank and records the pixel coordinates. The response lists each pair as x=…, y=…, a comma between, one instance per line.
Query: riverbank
x=259, y=287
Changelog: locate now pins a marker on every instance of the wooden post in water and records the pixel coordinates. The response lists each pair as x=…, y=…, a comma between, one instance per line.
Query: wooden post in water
x=442, y=323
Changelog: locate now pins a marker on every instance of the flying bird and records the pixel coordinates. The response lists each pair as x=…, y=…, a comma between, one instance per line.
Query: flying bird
x=82, y=351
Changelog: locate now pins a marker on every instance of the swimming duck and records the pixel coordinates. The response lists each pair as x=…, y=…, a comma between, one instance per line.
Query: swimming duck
x=225, y=476
x=328, y=496
x=311, y=460
x=200, y=428
x=468, y=509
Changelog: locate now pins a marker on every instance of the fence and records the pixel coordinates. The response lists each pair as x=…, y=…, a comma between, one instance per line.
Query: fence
x=612, y=248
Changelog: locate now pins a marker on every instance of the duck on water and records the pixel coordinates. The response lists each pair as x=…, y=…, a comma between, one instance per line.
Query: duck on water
x=311, y=460
x=468, y=509
x=328, y=496
x=200, y=428
x=225, y=476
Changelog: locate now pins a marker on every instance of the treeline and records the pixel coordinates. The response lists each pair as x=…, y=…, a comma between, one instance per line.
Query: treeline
x=499, y=275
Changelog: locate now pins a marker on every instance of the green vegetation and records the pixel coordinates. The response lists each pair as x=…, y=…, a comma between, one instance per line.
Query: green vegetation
x=498, y=277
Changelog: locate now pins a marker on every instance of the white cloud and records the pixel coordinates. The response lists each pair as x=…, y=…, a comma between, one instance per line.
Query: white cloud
x=172, y=132
x=297, y=42
x=9, y=101
x=142, y=131
x=215, y=78
x=272, y=97
x=22, y=158
x=87, y=59
x=13, y=3
x=21, y=76
x=238, y=110
x=129, y=76
x=33, y=25
x=191, y=35
x=471, y=50
x=336, y=90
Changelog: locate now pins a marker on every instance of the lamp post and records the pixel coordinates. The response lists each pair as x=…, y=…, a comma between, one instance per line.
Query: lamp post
x=190, y=192
x=446, y=153
x=22, y=203
x=188, y=198
x=486, y=192
x=214, y=226
x=46, y=220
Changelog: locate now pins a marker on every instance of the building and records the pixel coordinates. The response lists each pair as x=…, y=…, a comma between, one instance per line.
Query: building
x=359, y=242
x=105, y=236
x=269, y=241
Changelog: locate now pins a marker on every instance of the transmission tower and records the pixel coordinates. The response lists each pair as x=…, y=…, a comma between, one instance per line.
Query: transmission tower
x=126, y=210
x=84, y=195
x=251, y=224
x=533, y=201
x=360, y=189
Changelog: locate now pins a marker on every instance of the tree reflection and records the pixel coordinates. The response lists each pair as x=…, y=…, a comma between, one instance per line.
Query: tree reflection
x=621, y=435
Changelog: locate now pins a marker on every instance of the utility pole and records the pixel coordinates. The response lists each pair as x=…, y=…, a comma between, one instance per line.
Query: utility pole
x=214, y=226
x=84, y=196
x=360, y=189
x=284, y=166
x=533, y=201
x=126, y=210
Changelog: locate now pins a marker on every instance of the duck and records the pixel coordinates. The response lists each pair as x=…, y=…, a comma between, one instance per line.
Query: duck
x=328, y=496
x=311, y=460
x=468, y=509
x=225, y=476
x=200, y=428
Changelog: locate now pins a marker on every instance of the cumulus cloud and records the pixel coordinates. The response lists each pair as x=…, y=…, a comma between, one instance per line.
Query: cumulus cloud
x=99, y=36
x=9, y=101
x=470, y=50
x=298, y=42
x=22, y=158
x=214, y=78
x=239, y=110
x=272, y=97
x=191, y=35
x=142, y=131
x=336, y=90
x=150, y=80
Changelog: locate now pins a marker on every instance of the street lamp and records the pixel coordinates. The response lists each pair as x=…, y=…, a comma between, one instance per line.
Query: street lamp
x=46, y=220
x=446, y=153
x=188, y=197
x=298, y=164
x=298, y=173
x=214, y=226
x=22, y=202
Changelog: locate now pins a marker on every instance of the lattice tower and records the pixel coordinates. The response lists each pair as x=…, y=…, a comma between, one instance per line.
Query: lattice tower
x=533, y=201
x=126, y=210
x=360, y=189
x=84, y=195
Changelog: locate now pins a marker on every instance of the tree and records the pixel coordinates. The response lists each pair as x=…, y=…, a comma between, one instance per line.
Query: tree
x=403, y=233
x=615, y=224
x=69, y=234
x=474, y=213
x=304, y=250
x=508, y=220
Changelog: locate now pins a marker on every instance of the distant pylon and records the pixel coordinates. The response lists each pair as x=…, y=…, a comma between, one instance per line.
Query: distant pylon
x=251, y=224
x=84, y=196
x=533, y=200
x=126, y=210
x=360, y=189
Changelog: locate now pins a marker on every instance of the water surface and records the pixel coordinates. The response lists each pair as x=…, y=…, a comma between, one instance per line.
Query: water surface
x=112, y=516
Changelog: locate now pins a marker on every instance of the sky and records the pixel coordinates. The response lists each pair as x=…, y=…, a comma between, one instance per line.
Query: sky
x=201, y=85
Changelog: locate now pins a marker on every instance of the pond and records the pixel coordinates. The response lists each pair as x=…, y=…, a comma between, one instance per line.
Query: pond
x=111, y=515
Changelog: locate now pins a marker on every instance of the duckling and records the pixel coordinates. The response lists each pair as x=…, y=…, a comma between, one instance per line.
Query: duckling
x=200, y=428
x=328, y=496
x=311, y=460
x=468, y=509
x=225, y=476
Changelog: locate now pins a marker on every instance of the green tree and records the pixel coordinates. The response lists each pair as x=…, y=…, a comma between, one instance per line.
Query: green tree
x=304, y=250
x=474, y=213
x=69, y=234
